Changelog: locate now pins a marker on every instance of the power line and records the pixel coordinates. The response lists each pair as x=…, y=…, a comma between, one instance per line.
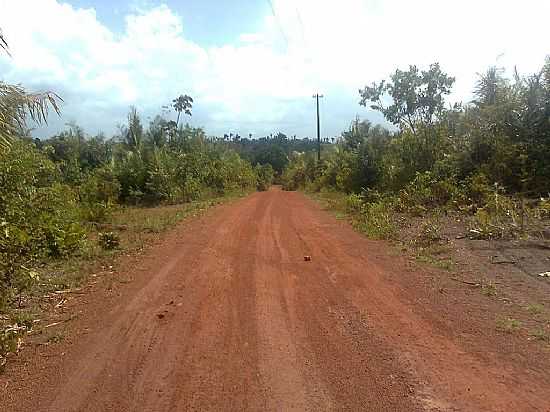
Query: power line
x=278, y=22
x=302, y=29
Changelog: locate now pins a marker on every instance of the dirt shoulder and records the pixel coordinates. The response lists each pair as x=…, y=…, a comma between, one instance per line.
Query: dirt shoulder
x=224, y=313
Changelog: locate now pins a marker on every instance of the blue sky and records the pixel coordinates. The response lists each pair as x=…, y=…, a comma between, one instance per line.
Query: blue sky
x=209, y=23
x=251, y=71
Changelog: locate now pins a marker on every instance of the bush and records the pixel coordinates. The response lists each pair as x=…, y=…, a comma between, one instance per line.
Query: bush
x=39, y=218
x=354, y=203
x=430, y=232
x=98, y=194
x=131, y=171
x=372, y=218
x=500, y=217
x=108, y=240
x=295, y=176
x=542, y=209
x=265, y=175
x=427, y=192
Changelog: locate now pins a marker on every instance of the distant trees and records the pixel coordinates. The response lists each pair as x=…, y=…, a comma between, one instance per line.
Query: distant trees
x=273, y=155
x=274, y=150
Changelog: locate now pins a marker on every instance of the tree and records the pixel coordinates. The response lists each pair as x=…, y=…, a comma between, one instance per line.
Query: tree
x=357, y=133
x=158, y=128
x=489, y=86
x=273, y=155
x=183, y=103
x=417, y=96
x=134, y=132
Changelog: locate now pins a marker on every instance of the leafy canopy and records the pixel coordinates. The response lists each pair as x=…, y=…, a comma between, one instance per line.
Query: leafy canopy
x=417, y=97
x=183, y=103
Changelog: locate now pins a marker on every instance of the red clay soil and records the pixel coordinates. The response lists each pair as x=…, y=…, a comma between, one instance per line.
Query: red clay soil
x=224, y=313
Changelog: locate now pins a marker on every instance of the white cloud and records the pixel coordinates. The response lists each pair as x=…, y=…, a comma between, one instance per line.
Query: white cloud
x=265, y=81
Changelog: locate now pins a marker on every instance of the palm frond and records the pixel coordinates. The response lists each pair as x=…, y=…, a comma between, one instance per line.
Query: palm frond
x=3, y=43
x=17, y=106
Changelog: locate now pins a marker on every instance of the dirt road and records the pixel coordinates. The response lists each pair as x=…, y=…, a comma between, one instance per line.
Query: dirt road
x=225, y=314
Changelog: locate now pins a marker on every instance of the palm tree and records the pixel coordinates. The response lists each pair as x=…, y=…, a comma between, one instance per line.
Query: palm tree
x=183, y=103
x=133, y=134
x=489, y=85
x=17, y=105
x=3, y=43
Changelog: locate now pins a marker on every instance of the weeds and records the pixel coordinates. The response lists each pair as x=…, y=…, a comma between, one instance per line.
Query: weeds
x=535, y=308
x=430, y=232
x=445, y=263
x=108, y=240
x=488, y=288
x=541, y=334
x=374, y=218
x=508, y=325
x=55, y=337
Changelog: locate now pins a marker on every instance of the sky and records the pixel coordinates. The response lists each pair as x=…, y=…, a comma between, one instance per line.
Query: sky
x=252, y=66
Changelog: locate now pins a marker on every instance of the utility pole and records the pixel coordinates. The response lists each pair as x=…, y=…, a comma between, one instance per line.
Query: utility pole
x=317, y=96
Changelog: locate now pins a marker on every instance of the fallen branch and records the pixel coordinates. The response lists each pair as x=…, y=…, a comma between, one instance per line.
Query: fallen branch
x=111, y=226
x=59, y=322
x=61, y=303
x=476, y=284
x=77, y=291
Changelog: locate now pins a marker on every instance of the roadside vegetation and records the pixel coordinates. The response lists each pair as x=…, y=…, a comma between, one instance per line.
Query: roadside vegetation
x=445, y=180
x=486, y=160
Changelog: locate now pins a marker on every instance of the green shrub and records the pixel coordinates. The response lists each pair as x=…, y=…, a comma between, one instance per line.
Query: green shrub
x=108, y=240
x=39, y=218
x=478, y=190
x=377, y=221
x=354, y=203
x=99, y=193
x=192, y=189
x=430, y=232
x=501, y=216
x=131, y=172
x=265, y=175
x=427, y=192
x=295, y=175
x=542, y=209
x=373, y=218
x=161, y=182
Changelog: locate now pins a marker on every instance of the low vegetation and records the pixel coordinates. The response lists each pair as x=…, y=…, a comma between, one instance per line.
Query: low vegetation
x=483, y=161
x=508, y=325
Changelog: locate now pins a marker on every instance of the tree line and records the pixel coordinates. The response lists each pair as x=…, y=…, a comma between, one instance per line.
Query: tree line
x=501, y=137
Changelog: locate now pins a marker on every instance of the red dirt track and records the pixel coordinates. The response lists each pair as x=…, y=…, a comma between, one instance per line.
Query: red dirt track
x=224, y=314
